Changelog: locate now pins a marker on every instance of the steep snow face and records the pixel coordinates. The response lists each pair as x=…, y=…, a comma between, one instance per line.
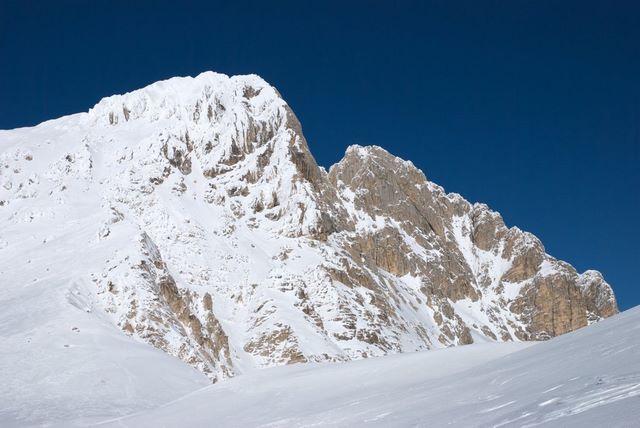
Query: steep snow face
x=194, y=218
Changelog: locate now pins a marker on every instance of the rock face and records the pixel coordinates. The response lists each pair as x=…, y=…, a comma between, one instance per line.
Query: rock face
x=204, y=227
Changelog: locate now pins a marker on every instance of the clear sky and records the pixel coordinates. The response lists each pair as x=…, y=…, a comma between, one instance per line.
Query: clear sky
x=532, y=107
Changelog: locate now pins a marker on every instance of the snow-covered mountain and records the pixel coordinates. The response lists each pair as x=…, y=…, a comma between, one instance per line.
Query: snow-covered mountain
x=192, y=216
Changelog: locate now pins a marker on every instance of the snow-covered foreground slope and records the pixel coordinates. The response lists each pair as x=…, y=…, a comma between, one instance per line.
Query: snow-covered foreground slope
x=590, y=377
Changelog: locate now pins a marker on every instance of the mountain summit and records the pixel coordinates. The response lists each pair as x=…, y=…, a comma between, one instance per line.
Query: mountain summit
x=191, y=215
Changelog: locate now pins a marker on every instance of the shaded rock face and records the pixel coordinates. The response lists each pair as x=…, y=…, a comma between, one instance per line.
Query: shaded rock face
x=226, y=245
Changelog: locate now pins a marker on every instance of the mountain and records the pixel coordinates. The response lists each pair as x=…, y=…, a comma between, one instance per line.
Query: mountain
x=192, y=216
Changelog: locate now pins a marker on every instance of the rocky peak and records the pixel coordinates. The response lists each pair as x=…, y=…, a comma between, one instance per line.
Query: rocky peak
x=381, y=184
x=206, y=98
x=241, y=136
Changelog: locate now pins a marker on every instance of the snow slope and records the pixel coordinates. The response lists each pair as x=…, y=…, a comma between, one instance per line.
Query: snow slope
x=590, y=377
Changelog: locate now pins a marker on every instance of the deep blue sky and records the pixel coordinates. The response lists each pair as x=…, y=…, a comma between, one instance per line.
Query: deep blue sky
x=530, y=106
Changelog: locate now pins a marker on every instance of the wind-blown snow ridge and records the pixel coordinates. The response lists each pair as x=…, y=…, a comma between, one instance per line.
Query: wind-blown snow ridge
x=192, y=216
